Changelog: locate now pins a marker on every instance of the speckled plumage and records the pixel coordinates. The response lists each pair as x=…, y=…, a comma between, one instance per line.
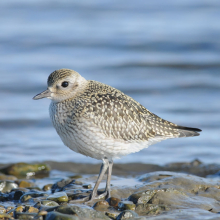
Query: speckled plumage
x=102, y=122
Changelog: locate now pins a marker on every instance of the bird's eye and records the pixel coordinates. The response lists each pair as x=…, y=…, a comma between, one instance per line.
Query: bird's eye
x=64, y=84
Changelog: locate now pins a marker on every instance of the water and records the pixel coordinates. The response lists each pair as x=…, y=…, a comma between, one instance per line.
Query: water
x=165, y=54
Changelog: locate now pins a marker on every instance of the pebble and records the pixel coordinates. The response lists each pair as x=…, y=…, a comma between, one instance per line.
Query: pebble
x=60, y=216
x=112, y=214
x=26, y=170
x=127, y=214
x=7, y=185
x=5, y=216
x=31, y=209
x=25, y=184
x=25, y=198
x=18, y=194
x=19, y=209
x=42, y=213
x=47, y=187
x=113, y=201
x=87, y=186
x=76, y=177
x=58, y=197
x=2, y=210
x=49, y=203
x=101, y=206
x=167, y=192
x=126, y=205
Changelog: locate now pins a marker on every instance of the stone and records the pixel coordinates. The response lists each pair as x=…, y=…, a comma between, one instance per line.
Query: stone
x=126, y=205
x=18, y=194
x=150, y=209
x=6, y=186
x=82, y=211
x=43, y=213
x=101, y=206
x=25, y=216
x=2, y=210
x=47, y=187
x=76, y=177
x=113, y=201
x=87, y=186
x=60, y=216
x=7, y=177
x=49, y=203
x=5, y=216
x=112, y=214
x=25, y=198
x=31, y=209
x=19, y=209
x=58, y=197
x=127, y=214
x=58, y=186
x=25, y=184
x=142, y=196
x=26, y=170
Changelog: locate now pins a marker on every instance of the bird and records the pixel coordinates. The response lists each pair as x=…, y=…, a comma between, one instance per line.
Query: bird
x=99, y=121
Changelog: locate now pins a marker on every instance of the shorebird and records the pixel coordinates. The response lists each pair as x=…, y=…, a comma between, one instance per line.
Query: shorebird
x=101, y=122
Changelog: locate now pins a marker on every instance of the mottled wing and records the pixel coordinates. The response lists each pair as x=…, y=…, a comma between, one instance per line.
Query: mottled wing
x=120, y=117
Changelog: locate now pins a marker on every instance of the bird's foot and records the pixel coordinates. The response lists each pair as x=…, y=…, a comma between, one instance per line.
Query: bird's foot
x=92, y=198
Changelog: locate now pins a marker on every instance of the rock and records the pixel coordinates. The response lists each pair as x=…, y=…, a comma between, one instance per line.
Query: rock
x=7, y=177
x=87, y=186
x=101, y=206
x=195, y=214
x=25, y=198
x=5, y=216
x=195, y=167
x=25, y=184
x=60, y=216
x=47, y=187
x=43, y=213
x=26, y=216
x=32, y=195
x=112, y=214
x=59, y=186
x=19, y=209
x=77, y=182
x=178, y=191
x=82, y=211
x=32, y=210
x=142, y=196
x=24, y=169
x=76, y=177
x=49, y=203
x=18, y=194
x=126, y=205
x=58, y=197
x=127, y=214
x=7, y=186
x=150, y=209
x=113, y=201
x=2, y=210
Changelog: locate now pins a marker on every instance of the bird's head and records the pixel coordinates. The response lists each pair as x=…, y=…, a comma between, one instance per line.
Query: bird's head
x=62, y=84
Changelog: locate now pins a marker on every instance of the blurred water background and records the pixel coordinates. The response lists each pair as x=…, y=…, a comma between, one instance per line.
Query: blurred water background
x=164, y=54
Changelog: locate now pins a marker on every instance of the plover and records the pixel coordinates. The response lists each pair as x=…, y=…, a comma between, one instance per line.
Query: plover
x=101, y=122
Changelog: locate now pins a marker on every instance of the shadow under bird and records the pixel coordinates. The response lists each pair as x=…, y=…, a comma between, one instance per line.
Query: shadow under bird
x=101, y=122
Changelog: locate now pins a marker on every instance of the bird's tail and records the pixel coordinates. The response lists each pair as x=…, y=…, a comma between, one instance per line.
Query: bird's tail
x=187, y=131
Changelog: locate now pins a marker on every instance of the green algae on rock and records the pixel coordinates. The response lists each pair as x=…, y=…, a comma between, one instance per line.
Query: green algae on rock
x=26, y=170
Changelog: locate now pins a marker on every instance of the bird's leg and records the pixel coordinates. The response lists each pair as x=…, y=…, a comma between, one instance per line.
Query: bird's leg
x=105, y=165
x=107, y=188
x=103, y=169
